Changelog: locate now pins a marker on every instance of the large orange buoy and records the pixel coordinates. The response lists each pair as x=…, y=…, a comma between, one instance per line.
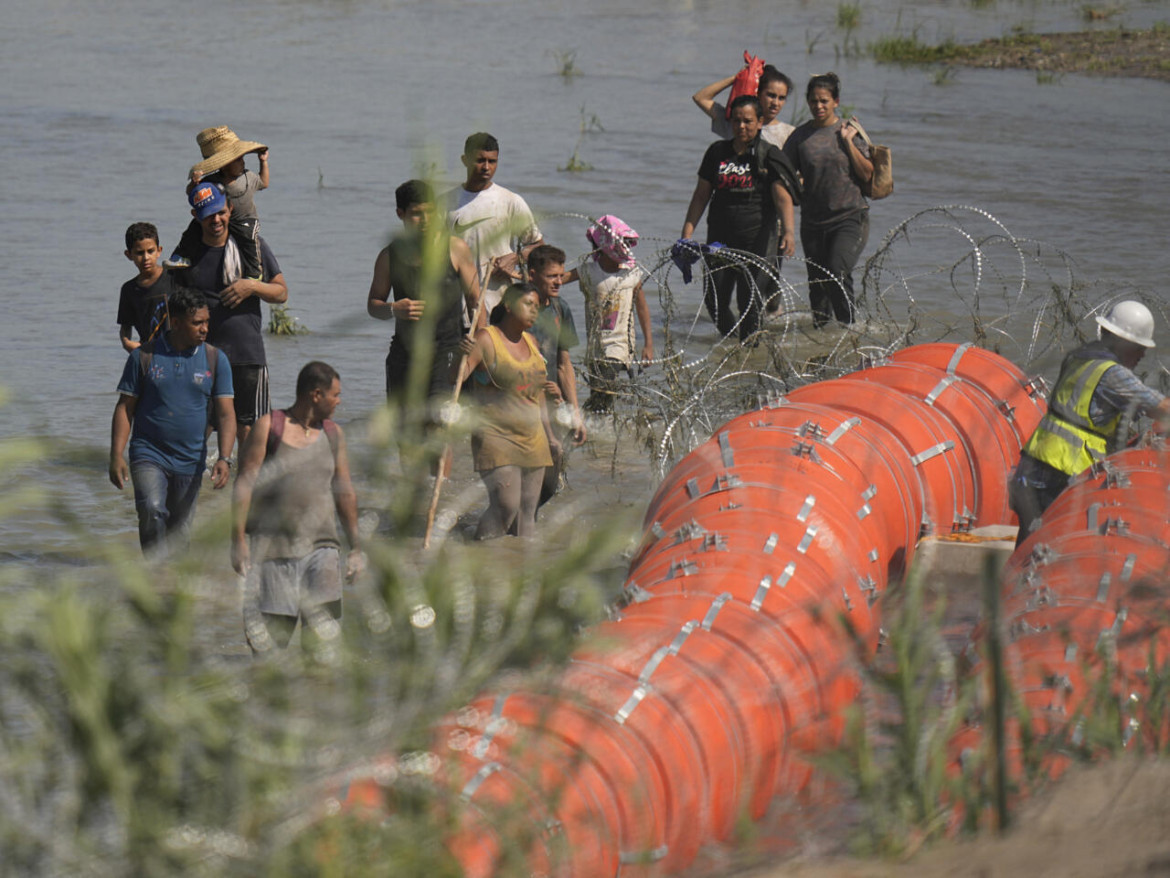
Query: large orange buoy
x=1019, y=399
x=1085, y=602
x=729, y=659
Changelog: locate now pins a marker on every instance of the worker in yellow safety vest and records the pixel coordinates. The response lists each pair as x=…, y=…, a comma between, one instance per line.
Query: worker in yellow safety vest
x=1095, y=391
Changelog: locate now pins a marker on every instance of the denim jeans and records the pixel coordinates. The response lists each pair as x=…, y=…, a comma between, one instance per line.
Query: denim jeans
x=831, y=253
x=165, y=503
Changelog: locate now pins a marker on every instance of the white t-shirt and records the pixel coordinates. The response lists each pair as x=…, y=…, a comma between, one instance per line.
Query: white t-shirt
x=490, y=222
x=775, y=133
x=609, y=301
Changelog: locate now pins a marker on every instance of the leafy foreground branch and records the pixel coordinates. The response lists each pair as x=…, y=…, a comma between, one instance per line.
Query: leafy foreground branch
x=133, y=743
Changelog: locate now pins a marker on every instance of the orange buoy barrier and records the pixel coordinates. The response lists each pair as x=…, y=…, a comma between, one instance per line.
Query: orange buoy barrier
x=730, y=655
x=1084, y=607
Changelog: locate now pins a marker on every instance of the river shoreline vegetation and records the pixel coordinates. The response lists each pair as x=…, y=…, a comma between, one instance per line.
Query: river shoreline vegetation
x=1113, y=52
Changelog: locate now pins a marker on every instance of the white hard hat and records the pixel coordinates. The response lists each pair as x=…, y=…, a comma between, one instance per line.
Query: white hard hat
x=1131, y=321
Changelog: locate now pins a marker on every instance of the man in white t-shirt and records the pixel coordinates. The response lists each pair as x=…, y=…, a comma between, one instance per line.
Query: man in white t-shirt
x=495, y=222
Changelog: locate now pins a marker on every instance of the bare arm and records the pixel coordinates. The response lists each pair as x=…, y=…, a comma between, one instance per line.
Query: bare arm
x=468, y=272
x=783, y=201
x=274, y=291
x=263, y=156
x=643, y=311
x=124, y=336
x=119, y=437
x=225, y=410
x=378, y=301
x=704, y=98
x=862, y=167
x=699, y=199
x=345, y=497
x=251, y=457
x=554, y=445
x=567, y=382
x=476, y=352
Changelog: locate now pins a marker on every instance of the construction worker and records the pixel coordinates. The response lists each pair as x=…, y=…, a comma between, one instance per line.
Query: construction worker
x=1095, y=392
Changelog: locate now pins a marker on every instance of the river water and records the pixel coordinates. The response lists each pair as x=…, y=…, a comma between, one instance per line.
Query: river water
x=99, y=105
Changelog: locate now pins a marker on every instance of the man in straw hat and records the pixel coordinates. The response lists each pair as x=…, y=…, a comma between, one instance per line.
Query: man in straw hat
x=223, y=164
x=1095, y=392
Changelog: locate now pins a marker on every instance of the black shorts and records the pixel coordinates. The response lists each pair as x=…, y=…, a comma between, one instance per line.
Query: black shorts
x=440, y=382
x=251, y=385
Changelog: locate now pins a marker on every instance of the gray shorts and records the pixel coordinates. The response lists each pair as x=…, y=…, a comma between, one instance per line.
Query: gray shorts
x=291, y=586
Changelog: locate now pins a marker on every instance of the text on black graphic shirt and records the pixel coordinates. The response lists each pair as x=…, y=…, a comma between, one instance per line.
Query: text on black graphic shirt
x=741, y=203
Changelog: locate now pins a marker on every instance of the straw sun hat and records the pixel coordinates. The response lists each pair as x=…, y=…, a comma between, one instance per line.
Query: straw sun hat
x=220, y=147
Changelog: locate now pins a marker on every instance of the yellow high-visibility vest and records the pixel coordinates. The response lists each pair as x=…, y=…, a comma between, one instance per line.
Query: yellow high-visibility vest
x=1066, y=438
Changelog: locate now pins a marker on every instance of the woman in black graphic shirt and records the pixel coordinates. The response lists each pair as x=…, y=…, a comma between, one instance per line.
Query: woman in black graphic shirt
x=748, y=185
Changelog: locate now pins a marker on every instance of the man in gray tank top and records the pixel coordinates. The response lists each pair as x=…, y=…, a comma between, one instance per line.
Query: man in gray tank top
x=293, y=489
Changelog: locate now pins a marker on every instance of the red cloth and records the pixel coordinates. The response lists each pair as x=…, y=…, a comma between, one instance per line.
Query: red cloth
x=747, y=81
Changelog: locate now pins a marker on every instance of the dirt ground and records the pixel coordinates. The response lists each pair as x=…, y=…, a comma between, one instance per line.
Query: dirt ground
x=1104, y=821
x=1135, y=53
x=1098, y=821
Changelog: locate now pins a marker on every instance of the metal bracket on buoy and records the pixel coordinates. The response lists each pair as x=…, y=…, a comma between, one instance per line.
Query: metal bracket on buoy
x=869, y=586
x=725, y=449
x=713, y=611
x=1103, y=587
x=806, y=540
x=682, y=567
x=939, y=389
x=692, y=530
x=486, y=771
x=770, y=543
x=953, y=365
x=633, y=858
x=811, y=428
x=1127, y=567
x=934, y=451
x=843, y=428
x=806, y=510
x=766, y=584
x=725, y=482
x=716, y=542
x=806, y=449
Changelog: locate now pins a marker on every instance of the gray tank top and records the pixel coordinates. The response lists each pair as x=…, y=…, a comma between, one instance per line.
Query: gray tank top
x=292, y=503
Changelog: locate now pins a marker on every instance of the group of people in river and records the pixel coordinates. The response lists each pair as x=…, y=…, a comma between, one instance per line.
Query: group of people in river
x=475, y=295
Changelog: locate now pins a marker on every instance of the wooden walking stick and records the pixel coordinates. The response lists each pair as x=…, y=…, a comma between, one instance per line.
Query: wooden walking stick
x=454, y=399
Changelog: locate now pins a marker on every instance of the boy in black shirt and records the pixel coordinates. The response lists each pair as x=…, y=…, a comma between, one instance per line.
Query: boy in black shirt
x=142, y=304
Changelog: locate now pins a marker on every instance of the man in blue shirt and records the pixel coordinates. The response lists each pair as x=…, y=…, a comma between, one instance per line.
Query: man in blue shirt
x=162, y=413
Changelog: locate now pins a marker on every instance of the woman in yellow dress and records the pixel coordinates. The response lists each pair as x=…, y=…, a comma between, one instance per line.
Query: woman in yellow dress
x=513, y=443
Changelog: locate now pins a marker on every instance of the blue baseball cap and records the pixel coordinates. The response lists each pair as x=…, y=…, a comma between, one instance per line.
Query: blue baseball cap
x=207, y=199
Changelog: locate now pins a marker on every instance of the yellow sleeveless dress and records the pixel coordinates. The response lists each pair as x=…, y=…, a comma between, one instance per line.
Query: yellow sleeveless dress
x=511, y=433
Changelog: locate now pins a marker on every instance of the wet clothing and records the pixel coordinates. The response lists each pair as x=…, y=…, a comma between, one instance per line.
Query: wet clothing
x=405, y=257
x=145, y=308
x=834, y=218
x=510, y=392
x=170, y=416
x=554, y=331
x=404, y=254
x=491, y=222
x=237, y=331
x=741, y=215
x=1085, y=411
x=609, y=311
x=293, y=507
